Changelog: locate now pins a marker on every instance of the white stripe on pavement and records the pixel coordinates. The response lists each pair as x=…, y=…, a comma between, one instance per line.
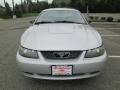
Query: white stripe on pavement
x=105, y=28
x=112, y=56
x=110, y=35
x=113, y=28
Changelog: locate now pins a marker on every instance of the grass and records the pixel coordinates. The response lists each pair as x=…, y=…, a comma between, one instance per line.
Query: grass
x=29, y=14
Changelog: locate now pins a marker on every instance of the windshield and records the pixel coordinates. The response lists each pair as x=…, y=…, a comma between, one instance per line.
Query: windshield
x=61, y=16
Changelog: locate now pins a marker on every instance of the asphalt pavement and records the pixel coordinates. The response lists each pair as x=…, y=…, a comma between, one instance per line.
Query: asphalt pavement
x=12, y=79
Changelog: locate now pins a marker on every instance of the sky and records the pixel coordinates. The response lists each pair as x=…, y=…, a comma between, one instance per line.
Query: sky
x=18, y=1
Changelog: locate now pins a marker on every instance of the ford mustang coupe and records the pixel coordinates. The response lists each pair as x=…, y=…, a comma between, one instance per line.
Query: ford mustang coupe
x=61, y=45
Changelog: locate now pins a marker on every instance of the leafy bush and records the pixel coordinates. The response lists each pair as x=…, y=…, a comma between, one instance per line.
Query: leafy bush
x=91, y=17
x=4, y=15
x=118, y=20
x=110, y=19
x=96, y=17
x=103, y=18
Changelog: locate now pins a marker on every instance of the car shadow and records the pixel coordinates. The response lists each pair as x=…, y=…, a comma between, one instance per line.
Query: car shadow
x=58, y=83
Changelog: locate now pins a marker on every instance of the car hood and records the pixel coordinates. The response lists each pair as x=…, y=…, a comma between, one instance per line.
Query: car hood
x=45, y=37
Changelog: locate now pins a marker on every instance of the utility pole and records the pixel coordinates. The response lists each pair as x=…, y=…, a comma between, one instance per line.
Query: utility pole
x=4, y=2
x=21, y=2
x=14, y=16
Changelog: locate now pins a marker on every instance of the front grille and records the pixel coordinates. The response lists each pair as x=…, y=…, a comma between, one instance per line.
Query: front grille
x=61, y=54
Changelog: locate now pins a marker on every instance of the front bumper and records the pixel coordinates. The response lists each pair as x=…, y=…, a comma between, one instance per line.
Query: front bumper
x=41, y=68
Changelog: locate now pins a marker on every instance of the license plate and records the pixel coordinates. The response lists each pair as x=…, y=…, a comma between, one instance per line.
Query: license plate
x=61, y=70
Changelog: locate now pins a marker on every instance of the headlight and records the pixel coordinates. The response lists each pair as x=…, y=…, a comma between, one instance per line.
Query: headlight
x=95, y=52
x=28, y=53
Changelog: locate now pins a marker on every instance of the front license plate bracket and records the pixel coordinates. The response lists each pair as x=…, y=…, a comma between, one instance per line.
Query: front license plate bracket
x=62, y=70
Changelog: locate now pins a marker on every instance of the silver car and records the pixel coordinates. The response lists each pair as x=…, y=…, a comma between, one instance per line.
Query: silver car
x=61, y=45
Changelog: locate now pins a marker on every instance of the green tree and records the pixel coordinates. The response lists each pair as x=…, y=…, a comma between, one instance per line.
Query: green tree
x=89, y=4
x=77, y=5
x=29, y=5
x=2, y=12
x=8, y=10
x=63, y=4
x=73, y=4
x=34, y=7
x=18, y=11
x=54, y=5
x=41, y=6
x=23, y=8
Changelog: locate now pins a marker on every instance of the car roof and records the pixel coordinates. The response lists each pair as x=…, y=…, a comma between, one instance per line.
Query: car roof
x=60, y=9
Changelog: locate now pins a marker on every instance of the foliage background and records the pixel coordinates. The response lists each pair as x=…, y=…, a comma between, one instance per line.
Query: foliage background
x=27, y=7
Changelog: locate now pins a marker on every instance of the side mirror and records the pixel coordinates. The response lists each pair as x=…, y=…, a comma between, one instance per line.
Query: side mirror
x=32, y=21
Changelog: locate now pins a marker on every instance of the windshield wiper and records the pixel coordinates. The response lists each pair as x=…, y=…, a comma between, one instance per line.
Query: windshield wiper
x=43, y=22
x=67, y=22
